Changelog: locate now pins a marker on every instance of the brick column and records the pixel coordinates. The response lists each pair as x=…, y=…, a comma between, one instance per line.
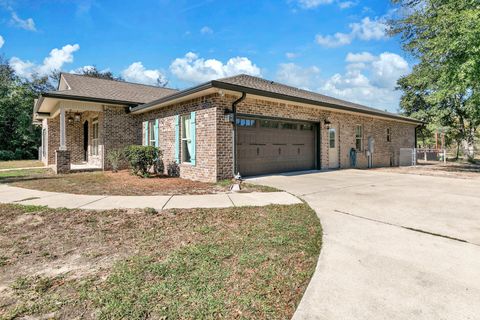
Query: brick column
x=62, y=161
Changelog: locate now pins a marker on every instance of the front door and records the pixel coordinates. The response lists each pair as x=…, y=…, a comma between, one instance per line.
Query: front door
x=85, y=141
x=332, y=148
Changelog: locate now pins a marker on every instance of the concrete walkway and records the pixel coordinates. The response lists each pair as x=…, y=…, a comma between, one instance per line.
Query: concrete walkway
x=395, y=246
x=9, y=194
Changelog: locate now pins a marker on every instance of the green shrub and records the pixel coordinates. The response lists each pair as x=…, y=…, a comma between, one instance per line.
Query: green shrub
x=143, y=159
x=6, y=155
x=115, y=158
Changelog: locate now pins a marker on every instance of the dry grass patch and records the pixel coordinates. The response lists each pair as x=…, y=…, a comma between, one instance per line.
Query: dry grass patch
x=459, y=169
x=120, y=183
x=20, y=164
x=229, y=263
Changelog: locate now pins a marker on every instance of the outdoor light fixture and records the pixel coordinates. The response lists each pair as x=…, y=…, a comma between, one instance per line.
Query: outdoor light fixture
x=70, y=120
x=228, y=115
x=327, y=123
x=77, y=117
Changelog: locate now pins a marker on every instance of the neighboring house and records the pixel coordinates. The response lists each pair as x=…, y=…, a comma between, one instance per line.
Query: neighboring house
x=278, y=128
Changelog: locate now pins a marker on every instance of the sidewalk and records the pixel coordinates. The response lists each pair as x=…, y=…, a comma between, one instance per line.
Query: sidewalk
x=23, y=196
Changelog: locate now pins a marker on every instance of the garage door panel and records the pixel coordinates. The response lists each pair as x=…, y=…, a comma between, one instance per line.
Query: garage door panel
x=266, y=147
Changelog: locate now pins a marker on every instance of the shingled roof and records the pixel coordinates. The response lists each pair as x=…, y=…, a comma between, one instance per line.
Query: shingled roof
x=91, y=88
x=261, y=87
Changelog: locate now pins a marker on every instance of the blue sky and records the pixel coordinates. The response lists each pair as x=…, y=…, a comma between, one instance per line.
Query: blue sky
x=335, y=47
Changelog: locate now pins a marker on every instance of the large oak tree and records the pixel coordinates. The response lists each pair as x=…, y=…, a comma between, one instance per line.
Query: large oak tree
x=444, y=87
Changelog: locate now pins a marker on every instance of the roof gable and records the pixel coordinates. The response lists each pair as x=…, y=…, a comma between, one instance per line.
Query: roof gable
x=73, y=85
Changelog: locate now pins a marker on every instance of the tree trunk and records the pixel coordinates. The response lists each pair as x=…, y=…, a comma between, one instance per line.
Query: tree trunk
x=458, y=150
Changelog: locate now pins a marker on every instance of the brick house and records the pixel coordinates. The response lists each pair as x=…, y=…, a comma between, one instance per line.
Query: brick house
x=239, y=124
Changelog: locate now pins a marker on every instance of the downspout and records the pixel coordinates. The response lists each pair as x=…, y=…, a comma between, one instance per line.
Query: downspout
x=416, y=138
x=234, y=111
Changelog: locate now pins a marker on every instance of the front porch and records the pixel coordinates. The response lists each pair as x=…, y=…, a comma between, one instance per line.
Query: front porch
x=72, y=137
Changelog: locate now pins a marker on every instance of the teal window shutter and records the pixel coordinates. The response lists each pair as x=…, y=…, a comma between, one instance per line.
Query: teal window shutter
x=193, y=132
x=177, y=139
x=145, y=133
x=157, y=141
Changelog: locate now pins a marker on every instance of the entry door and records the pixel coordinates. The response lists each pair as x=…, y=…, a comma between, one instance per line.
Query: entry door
x=332, y=148
x=85, y=141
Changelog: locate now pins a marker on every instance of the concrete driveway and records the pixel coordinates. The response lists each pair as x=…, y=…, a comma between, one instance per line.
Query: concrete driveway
x=396, y=246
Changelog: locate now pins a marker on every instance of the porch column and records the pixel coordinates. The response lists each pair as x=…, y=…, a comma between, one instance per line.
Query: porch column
x=63, y=134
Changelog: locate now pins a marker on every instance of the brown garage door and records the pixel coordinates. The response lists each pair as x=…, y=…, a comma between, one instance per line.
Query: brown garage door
x=269, y=146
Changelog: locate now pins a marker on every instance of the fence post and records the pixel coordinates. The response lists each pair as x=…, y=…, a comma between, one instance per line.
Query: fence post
x=444, y=156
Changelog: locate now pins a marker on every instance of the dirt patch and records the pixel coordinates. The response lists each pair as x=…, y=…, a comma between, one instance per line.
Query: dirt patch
x=458, y=170
x=204, y=263
x=120, y=183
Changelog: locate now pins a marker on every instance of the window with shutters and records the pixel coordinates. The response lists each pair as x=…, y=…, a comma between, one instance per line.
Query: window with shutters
x=186, y=139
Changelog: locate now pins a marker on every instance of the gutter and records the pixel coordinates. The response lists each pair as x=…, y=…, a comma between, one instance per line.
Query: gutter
x=88, y=99
x=234, y=111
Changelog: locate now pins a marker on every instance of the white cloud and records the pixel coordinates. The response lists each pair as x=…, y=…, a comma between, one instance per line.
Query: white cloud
x=55, y=61
x=360, y=57
x=291, y=55
x=2, y=41
x=366, y=29
x=82, y=70
x=387, y=68
x=369, y=29
x=347, y=4
x=22, y=68
x=297, y=76
x=192, y=68
x=206, y=30
x=136, y=72
x=337, y=40
x=309, y=4
x=369, y=80
x=27, y=24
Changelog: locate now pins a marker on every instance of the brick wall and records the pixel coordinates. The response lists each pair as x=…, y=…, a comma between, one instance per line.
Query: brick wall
x=402, y=134
x=206, y=120
x=214, y=150
x=120, y=129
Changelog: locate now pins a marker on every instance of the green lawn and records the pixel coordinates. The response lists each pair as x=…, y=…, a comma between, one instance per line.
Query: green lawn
x=20, y=164
x=232, y=263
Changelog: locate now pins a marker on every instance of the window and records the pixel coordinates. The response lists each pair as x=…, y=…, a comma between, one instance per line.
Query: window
x=389, y=135
x=269, y=124
x=95, y=137
x=245, y=122
x=306, y=127
x=331, y=138
x=151, y=133
x=289, y=126
x=359, y=137
x=186, y=138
